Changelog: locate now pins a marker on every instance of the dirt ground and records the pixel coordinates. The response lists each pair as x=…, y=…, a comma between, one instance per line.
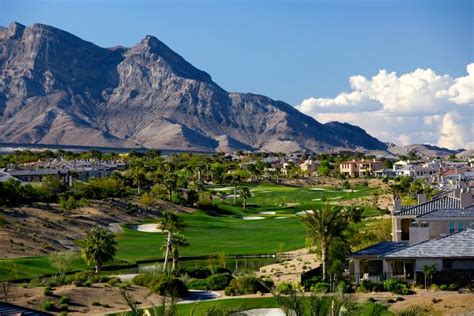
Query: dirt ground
x=290, y=270
x=81, y=298
x=447, y=303
x=43, y=228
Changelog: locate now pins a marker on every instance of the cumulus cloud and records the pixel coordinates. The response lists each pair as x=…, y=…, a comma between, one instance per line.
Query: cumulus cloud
x=417, y=107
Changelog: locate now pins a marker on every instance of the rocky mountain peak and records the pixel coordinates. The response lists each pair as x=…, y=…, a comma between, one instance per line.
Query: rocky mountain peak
x=56, y=88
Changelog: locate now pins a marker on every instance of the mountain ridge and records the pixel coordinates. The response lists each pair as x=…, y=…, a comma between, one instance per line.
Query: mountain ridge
x=59, y=89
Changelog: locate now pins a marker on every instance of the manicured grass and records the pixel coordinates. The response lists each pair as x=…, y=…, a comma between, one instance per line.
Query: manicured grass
x=224, y=305
x=213, y=235
x=35, y=266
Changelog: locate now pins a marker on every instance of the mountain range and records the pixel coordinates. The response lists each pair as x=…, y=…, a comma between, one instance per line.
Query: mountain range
x=56, y=88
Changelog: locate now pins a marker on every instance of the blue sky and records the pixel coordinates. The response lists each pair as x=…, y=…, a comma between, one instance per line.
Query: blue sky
x=353, y=61
x=288, y=50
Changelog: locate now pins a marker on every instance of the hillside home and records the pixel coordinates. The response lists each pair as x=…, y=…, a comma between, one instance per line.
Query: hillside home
x=440, y=231
x=360, y=168
x=309, y=166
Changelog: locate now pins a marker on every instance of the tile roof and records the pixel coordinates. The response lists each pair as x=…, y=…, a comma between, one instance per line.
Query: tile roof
x=380, y=249
x=442, y=203
x=466, y=212
x=457, y=245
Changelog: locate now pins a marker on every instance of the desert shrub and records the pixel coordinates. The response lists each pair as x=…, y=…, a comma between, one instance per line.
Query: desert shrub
x=161, y=283
x=64, y=307
x=198, y=284
x=88, y=283
x=390, y=285
x=64, y=300
x=344, y=287
x=443, y=287
x=368, y=286
x=219, y=281
x=48, y=306
x=48, y=291
x=402, y=289
x=113, y=281
x=96, y=303
x=248, y=285
x=285, y=288
x=321, y=287
x=142, y=279
x=214, y=282
x=434, y=287
x=453, y=287
x=307, y=284
x=168, y=286
x=196, y=273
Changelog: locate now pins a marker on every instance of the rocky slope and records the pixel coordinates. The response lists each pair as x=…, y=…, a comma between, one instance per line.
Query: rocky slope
x=56, y=88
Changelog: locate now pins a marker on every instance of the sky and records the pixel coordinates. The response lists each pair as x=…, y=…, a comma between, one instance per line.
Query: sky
x=398, y=69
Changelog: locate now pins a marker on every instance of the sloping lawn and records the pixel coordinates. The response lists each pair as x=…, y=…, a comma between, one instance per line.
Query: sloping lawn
x=212, y=235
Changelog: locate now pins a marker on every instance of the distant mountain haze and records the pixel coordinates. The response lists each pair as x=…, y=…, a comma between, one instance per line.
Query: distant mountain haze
x=56, y=88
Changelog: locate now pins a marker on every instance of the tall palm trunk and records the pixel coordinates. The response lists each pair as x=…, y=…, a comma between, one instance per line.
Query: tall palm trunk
x=175, y=260
x=168, y=245
x=324, y=258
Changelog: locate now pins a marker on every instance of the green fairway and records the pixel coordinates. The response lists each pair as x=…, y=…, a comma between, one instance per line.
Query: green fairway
x=212, y=235
x=35, y=266
x=289, y=199
x=224, y=305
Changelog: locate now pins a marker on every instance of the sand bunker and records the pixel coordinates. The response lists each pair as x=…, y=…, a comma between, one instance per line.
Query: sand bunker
x=305, y=212
x=280, y=217
x=148, y=228
x=223, y=189
x=318, y=189
x=267, y=213
x=316, y=200
x=252, y=218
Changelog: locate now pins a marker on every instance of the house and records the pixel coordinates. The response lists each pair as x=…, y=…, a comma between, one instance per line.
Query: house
x=360, y=168
x=439, y=231
x=453, y=256
x=309, y=166
x=403, y=217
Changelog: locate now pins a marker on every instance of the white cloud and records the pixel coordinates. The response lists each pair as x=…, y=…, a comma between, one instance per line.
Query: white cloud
x=417, y=107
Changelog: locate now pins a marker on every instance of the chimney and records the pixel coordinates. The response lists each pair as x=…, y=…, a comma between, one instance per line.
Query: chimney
x=466, y=199
x=421, y=197
x=397, y=204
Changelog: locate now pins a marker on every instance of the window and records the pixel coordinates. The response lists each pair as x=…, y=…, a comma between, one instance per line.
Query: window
x=451, y=227
x=460, y=226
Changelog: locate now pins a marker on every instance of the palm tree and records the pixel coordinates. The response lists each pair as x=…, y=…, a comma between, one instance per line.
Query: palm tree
x=98, y=247
x=171, y=182
x=324, y=226
x=177, y=241
x=138, y=178
x=245, y=194
x=428, y=271
x=171, y=222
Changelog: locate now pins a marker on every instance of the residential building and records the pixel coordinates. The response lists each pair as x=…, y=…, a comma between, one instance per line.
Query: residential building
x=360, y=168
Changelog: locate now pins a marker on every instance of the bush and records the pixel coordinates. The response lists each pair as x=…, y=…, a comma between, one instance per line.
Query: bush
x=161, y=283
x=113, y=281
x=248, y=285
x=307, y=284
x=443, y=287
x=48, y=291
x=64, y=300
x=219, y=281
x=285, y=288
x=168, y=286
x=390, y=285
x=434, y=287
x=64, y=307
x=198, y=284
x=48, y=306
x=142, y=279
x=453, y=287
x=368, y=286
x=343, y=287
x=321, y=287
x=196, y=273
